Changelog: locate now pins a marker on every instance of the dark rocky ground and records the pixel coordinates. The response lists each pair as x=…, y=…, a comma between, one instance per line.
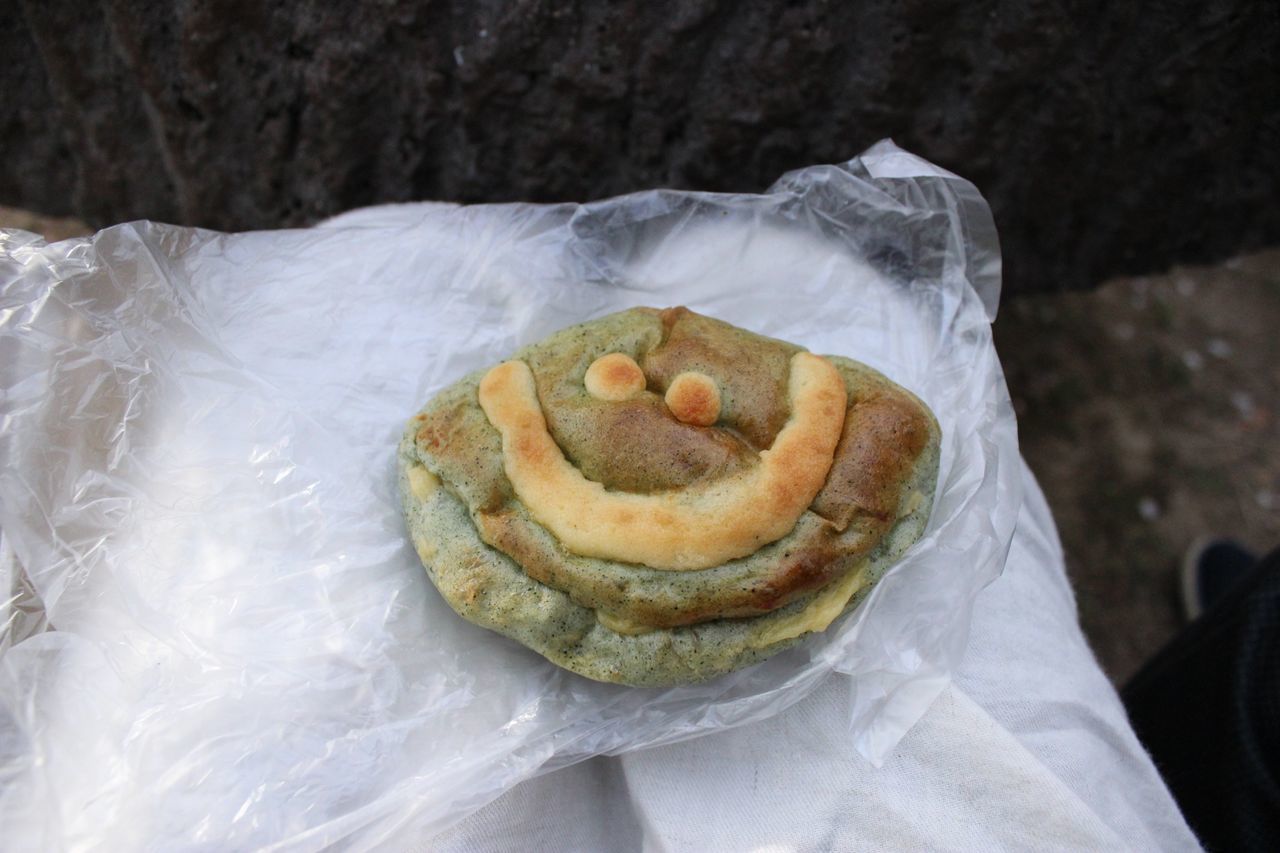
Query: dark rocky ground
x=1150, y=410
x=1106, y=136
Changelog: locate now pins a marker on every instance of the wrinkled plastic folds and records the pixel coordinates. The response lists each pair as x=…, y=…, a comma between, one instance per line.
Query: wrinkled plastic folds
x=213, y=631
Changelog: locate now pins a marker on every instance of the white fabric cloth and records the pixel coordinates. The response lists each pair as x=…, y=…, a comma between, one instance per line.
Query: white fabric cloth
x=1028, y=749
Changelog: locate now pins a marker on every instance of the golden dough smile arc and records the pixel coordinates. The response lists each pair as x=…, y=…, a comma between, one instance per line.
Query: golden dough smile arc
x=683, y=530
x=658, y=497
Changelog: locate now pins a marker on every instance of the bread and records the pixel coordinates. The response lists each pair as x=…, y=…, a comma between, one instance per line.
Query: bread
x=657, y=497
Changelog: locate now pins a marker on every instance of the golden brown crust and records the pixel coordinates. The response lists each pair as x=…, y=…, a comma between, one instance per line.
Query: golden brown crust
x=750, y=371
x=884, y=434
x=806, y=564
x=614, y=377
x=637, y=445
x=694, y=398
x=696, y=528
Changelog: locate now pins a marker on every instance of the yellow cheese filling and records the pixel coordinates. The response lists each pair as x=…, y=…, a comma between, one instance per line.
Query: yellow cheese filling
x=820, y=613
x=422, y=482
x=621, y=624
x=817, y=616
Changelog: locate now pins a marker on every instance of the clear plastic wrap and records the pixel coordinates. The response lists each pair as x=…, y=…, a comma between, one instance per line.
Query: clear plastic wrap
x=217, y=635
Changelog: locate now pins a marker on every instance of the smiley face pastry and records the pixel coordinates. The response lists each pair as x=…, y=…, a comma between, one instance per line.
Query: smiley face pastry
x=658, y=497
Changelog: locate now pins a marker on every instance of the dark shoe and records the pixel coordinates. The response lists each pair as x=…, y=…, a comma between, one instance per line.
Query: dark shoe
x=1209, y=568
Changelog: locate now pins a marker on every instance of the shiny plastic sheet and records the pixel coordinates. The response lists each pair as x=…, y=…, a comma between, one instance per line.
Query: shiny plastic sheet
x=216, y=634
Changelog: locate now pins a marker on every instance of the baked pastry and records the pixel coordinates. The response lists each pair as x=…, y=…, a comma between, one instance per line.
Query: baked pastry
x=658, y=497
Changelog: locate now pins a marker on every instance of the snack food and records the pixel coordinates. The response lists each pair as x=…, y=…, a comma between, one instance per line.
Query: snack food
x=657, y=497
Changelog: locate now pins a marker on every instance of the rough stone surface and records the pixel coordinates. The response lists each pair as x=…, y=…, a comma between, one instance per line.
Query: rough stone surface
x=1149, y=409
x=1108, y=137
x=34, y=170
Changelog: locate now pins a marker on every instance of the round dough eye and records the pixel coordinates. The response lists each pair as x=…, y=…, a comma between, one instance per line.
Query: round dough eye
x=694, y=398
x=614, y=377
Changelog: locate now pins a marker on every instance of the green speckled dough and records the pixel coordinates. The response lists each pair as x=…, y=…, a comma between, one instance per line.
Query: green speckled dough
x=497, y=567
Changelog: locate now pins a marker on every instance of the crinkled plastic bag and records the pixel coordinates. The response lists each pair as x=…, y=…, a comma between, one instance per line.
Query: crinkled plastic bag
x=218, y=635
